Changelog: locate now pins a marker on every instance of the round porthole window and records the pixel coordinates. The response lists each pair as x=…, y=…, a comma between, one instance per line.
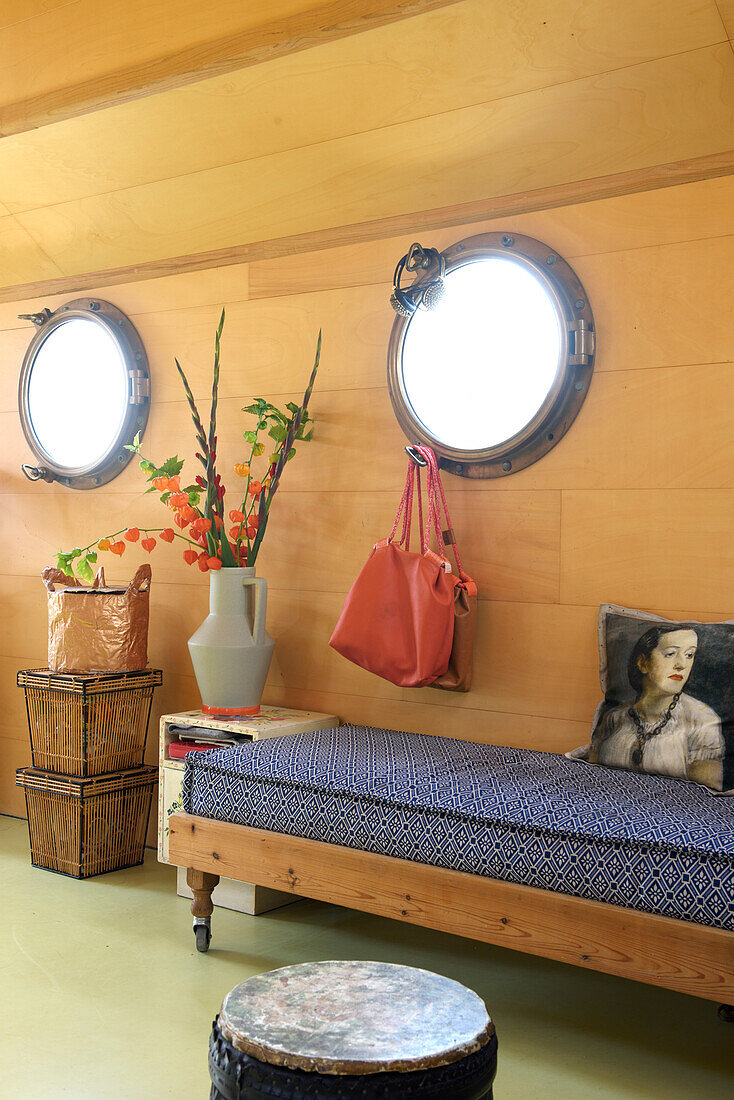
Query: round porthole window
x=491, y=357
x=84, y=393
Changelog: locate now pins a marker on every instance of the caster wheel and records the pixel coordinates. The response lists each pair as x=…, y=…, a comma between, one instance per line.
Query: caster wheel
x=203, y=937
x=726, y=1013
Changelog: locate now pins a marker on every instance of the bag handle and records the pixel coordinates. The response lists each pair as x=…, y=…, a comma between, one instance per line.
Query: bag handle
x=405, y=509
x=141, y=580
x=51, y=577
x=435, y=488
x=99, y=581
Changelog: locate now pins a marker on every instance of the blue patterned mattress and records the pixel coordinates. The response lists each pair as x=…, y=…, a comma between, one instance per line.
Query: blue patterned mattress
x=533, y=818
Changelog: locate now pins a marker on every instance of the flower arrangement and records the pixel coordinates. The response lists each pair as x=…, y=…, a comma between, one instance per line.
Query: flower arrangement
x=199, y=509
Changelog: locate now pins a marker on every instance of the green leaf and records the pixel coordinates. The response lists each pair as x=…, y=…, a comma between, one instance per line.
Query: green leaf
x=228, y=560
x=147, y=466
x=291, y=454
x=136, y=440
x=249, y=437
x=75, y=553
x=293, y=408
x=84, y=570
x=278, y=433
x=170, y=467
x=92, y=556
x=194, y=499
x=165, y=496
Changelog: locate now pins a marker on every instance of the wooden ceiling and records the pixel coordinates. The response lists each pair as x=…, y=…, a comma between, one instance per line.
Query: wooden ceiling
x=346, y=116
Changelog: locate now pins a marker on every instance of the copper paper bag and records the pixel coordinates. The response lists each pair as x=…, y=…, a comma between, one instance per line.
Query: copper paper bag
x=97, y=629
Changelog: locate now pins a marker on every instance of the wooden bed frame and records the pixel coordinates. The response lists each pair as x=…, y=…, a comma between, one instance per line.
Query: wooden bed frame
x=676, y=954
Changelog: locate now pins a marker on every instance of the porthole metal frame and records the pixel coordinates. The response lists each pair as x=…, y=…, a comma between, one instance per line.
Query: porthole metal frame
x=569, y=390
x=131, y=348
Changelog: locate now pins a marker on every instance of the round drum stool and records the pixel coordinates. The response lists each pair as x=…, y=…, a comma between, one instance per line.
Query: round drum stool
x=341, y=1030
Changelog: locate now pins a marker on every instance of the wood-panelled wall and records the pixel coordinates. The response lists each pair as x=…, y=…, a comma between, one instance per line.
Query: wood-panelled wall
x=635, y=505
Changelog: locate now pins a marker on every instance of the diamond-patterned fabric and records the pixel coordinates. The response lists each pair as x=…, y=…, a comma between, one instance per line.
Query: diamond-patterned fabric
x=534, y=818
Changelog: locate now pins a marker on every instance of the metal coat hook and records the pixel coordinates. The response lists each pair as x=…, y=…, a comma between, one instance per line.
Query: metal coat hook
x=415, y=455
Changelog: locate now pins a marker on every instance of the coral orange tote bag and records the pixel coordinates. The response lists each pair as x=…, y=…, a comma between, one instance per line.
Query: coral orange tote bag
x=398, y=617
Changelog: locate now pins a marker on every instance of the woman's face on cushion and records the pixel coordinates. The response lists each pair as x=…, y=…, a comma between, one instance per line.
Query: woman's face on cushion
x=669, y=665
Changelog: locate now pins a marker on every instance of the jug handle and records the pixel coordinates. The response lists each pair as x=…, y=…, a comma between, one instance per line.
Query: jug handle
x=261, y=607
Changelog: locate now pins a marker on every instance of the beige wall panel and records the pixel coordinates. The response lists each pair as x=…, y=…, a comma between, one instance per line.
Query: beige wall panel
x=668, y=216
x=214, y=287
x=15, y=754
x=654, y=307
x=319, y=94
x=521, y=655
x=608, y=446
x=726, y=11
x=21, y=257
x=527, y=141
x=507, y=542
x=485, y=727
x=316, y=541
x=649, y=549
x=269, y=346
x=156, y=43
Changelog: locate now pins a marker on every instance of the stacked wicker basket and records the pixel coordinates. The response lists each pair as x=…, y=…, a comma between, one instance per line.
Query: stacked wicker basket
x=88, y=794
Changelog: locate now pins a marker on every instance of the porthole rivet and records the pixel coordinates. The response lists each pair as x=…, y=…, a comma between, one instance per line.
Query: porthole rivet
x=459, y=468
x=580, y=303
x=550, y=436
x=461, y=248
x=121, y=324
x=506, y=466
x=508, y=241
x=550, y=260
x=138, y=356
x=579, y=386
x=94, y=306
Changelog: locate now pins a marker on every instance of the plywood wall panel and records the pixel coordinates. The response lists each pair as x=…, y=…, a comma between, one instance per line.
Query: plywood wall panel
x=530, y=140
x=484, y=727
x=648, y=219
x=157, y=45
x=315, y=540
x=290, y=102
x=650, y=548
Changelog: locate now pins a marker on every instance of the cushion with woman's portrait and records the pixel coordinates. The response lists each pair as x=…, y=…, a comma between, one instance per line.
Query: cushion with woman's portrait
x=668, y=706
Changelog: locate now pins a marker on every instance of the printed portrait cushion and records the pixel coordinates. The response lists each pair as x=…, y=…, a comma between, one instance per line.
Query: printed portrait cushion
x=668, y=706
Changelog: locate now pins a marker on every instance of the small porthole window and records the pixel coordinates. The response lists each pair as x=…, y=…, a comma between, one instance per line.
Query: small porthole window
x=491, y=356
x=84, y=393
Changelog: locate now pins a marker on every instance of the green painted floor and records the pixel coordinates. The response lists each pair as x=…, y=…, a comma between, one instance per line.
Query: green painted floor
x=104, y=996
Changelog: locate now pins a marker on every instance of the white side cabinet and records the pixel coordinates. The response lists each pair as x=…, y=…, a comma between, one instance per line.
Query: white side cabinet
x=270, y=722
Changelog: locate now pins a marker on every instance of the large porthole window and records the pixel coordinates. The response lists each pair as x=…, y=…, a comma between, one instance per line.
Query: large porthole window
x=491, y=356
x=84, y=393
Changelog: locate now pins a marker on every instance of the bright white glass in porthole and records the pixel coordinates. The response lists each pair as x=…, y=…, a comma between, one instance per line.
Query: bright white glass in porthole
x=477, y=370
x=78, y=393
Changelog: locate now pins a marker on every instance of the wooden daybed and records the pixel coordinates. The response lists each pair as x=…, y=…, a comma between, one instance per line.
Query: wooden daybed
x=676, y=954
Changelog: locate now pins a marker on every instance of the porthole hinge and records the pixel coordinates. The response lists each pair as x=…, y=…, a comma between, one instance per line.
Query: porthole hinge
x=584, y=343
x=139, y=387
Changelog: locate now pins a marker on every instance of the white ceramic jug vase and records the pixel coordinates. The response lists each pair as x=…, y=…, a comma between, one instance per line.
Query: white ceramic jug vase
x=231, y=651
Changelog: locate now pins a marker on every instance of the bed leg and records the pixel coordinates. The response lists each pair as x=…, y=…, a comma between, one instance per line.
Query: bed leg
x=726, y=1013
x=201, y=883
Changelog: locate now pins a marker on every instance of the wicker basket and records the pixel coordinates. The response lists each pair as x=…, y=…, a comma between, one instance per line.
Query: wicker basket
x=85, y=827
x=88, y=724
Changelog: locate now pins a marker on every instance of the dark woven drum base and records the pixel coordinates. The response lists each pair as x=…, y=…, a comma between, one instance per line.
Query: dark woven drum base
x=237, y=1076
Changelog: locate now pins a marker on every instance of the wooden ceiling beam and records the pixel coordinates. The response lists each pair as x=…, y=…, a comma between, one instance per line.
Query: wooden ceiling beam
x=543, y=198
x=74, y=67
